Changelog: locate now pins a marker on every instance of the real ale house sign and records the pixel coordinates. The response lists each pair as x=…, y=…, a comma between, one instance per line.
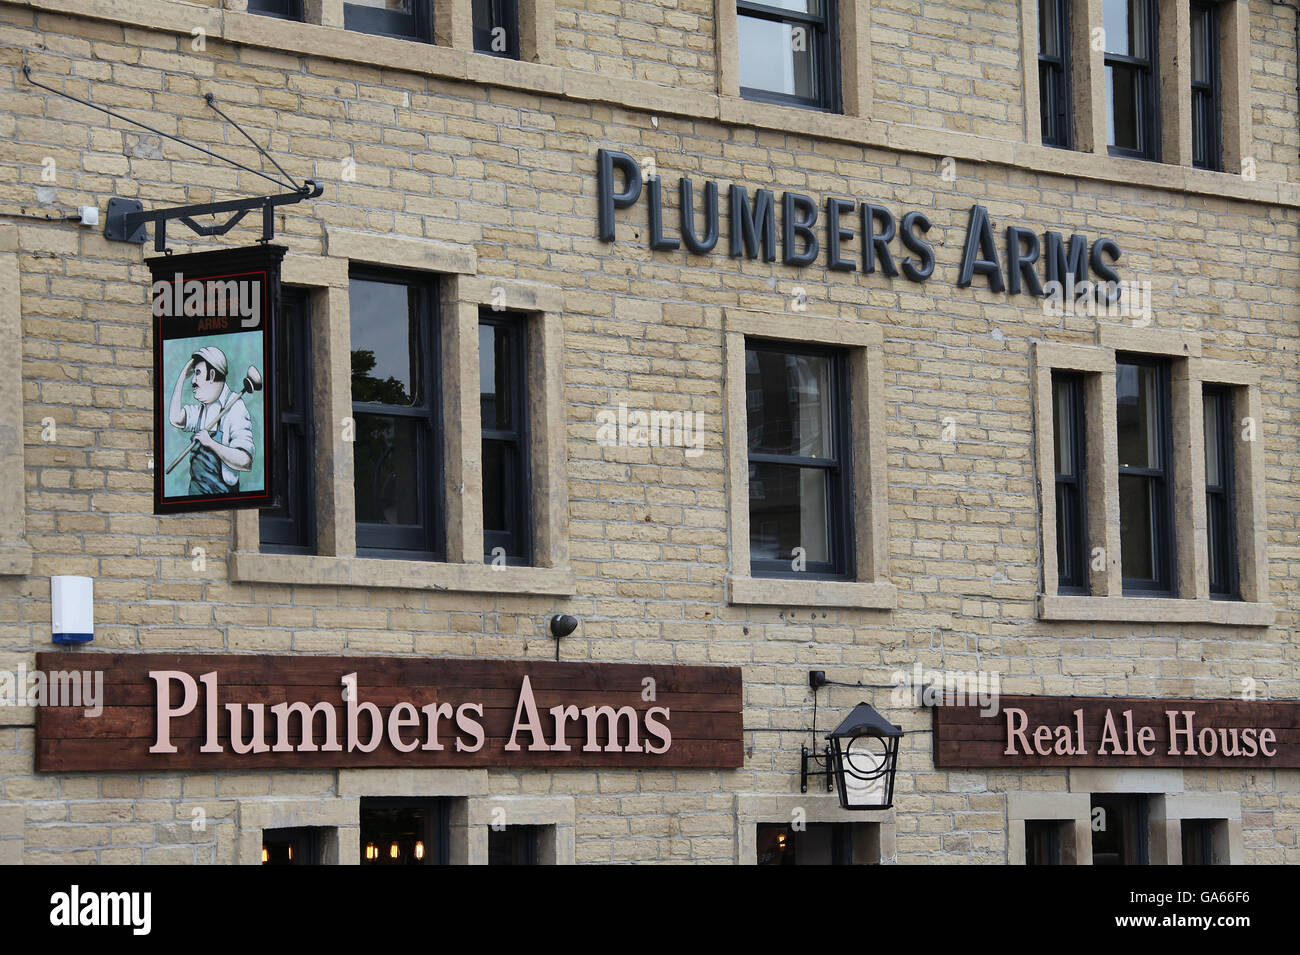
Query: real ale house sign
x=1031, y=731
x=233, y=711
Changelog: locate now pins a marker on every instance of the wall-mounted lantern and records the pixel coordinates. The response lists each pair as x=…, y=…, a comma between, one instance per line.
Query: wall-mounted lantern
x=861, y=759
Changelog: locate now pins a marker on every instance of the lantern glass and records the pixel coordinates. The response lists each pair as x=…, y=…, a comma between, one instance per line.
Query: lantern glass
x=864, y=769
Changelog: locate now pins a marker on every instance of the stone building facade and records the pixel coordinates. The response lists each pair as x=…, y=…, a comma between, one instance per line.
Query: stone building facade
x=481, y=173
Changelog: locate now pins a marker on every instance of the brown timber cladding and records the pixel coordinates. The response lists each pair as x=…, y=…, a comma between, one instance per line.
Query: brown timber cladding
x=703, y=704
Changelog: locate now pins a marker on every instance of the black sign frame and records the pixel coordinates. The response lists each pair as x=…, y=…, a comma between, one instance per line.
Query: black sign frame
x=259, y=266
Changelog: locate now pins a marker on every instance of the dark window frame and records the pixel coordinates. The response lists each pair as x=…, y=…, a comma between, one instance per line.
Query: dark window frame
x=518, y=544
x=1072, y=491
x=436, y=832
x=503, y=13
x=824, y=46
x=1206, y=111
x=290, y=526
x=840, y=843
x=416, y=25
x=1198, y=836
x=309, y=841
x=286, y=9
x=1057, y=112
x=839, y=517
x=1132, y=815
x=1224, y=574
x=423, y=541
x=1148, y=67
x=1160, y=490
x=532, y=843
x=1042, y=842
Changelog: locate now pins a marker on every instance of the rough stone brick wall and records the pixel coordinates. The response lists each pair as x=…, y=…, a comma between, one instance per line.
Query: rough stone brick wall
x=664, y=41
x=1273, y=69
x=513, y=173
x=953, y=65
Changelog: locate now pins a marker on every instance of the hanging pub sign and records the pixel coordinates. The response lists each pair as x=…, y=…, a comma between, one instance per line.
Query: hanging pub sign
x=199, y=711
x=213, y=320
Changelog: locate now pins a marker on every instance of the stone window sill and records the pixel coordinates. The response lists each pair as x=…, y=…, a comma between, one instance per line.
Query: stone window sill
x=1233, y=613
x=393, y=52
x=779, y=592
x=372, y=572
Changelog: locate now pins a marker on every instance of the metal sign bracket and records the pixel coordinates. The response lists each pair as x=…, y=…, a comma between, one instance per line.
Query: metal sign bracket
x=127, y=221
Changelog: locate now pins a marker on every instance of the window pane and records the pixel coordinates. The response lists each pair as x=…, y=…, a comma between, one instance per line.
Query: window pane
x=1124, y=23
x=1046, y=102
x=817, y=843
x=1049, y=34
x=400, y=18
x=1119, y=830
x=386, y=463
x=1136, y=528
x=1213, y=452
x=495, y=27
x=289, y=525
x=787, y=509
x=300, y=845
x=402, y=832
x=1198, y=841
x=393, y=6
x=513, y=845
x=1065, y=570
x=1064, y=437
x=777, y=57
x=497, y=480
x=1114, y=21
x=788, y=401
x=1123, y=107
x=288, y=9
x=385, y=344
x=1200, y=45
x=1200, y=129
x=1216, y=519
x=1042, y=842
x=1137, y=415
x=813, y=7
x=495, y=378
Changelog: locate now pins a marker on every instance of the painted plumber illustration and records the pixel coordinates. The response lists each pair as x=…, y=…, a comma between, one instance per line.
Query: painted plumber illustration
x=222, y=445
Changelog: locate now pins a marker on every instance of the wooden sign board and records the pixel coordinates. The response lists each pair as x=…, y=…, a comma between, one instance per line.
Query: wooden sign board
x=244, y=711
x=1034, y=731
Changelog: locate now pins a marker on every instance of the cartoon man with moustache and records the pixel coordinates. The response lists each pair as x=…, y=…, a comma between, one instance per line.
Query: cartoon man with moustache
x=220, y=455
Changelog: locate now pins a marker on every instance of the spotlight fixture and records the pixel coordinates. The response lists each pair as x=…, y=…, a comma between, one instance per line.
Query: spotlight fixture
x=562, y=624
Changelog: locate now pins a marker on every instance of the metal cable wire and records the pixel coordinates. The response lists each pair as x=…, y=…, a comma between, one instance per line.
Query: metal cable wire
x=27, y=72
x=212, y=101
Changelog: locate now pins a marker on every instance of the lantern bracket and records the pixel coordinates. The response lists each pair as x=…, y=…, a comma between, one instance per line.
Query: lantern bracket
x=812, y=759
